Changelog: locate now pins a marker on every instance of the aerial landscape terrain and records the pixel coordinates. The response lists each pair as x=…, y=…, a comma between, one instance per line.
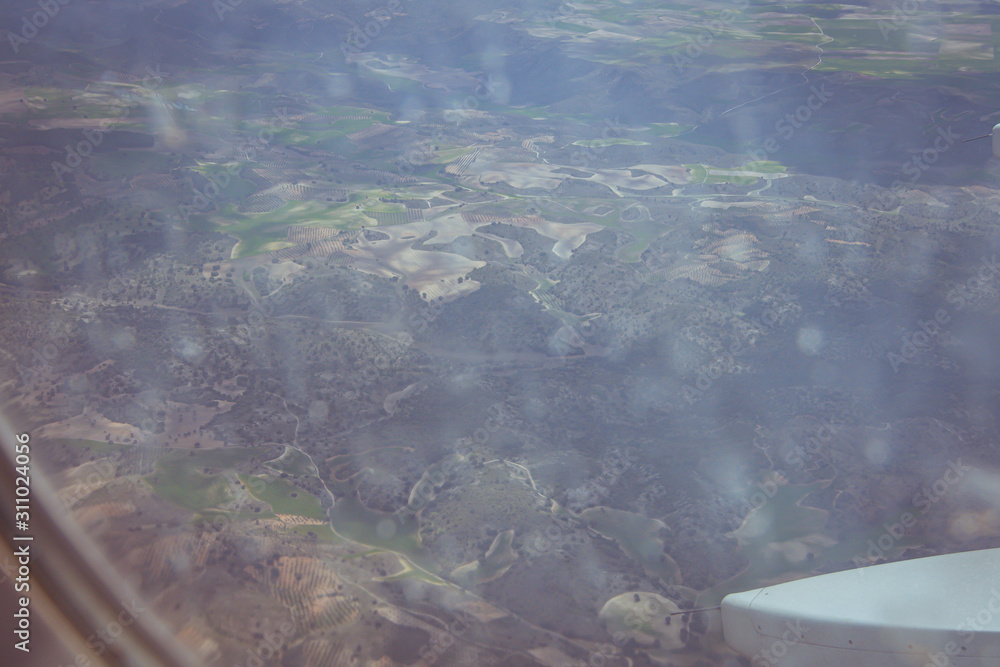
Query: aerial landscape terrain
x=410, y=333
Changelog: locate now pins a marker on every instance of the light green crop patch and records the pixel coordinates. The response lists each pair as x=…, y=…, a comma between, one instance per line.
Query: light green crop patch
x=194, y=479
x=669, y=129
x=613, y=141
x=182, y=483
x=293, y=462
x=283, y=496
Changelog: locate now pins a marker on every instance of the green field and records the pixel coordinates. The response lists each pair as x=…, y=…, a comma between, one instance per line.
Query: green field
x=98, y=446
x=283, y=496
x=293, y=462
x=614, y=141
x=186, y=485
x=255, y=231
x=193, y=479
x=645, y=232
x=669, y=129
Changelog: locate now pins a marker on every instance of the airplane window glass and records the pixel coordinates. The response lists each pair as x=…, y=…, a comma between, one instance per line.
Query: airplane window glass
x=412, y=333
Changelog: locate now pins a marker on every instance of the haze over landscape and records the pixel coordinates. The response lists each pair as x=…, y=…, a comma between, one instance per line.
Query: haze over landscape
x=417, y=333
